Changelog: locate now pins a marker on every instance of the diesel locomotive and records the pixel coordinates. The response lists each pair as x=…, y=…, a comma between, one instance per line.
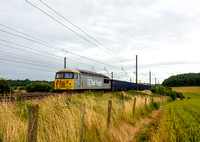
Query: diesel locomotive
x=79, y=80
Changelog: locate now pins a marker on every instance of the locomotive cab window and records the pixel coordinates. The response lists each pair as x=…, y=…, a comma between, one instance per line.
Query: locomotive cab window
x=69, y=75
x=59, y=75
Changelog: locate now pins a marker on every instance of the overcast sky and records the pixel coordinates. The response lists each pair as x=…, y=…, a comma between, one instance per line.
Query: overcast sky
x=163, y=33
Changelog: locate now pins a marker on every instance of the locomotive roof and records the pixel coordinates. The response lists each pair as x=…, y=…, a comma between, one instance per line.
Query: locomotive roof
x=68, y=70
x=90, y=73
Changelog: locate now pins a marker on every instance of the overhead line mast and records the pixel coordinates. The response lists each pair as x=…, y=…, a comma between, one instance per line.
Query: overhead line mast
x=136, y=72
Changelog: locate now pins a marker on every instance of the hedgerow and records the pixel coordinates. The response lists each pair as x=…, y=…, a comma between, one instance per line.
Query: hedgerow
x=161, y=90
x=39, y=87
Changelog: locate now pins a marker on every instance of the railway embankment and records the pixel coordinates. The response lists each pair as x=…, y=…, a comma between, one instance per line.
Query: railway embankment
x=89, y=116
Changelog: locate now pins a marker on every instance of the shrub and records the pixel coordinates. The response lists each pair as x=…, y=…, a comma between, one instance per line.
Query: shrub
x=160, y=90
x=173, y=96
x=23, y=106
x=21, y=88
x=167, y=91
x=4, y=87
x=39, y=87
x=154, y=105
x=179, y=95
x=153, y=89
x=15, y=88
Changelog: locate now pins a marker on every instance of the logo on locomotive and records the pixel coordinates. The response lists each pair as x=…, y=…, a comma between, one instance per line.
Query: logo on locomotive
x=93, y=82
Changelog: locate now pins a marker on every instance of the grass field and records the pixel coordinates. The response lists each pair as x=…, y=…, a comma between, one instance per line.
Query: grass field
x=60, y=118
x=187, y=89
x=181, y=119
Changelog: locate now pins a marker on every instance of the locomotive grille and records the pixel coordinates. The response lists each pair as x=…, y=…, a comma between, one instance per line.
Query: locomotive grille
x=62, y=85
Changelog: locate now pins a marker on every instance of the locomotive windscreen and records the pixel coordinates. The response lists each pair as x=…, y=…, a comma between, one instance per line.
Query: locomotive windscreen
x=67, y=75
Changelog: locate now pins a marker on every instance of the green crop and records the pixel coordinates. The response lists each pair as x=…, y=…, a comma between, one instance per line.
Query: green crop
x=181, y=121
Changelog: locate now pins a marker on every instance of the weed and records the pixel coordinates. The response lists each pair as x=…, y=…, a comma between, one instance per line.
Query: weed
x=154, y=105
x=133, y=123
x=23, y=106
x=142, y=137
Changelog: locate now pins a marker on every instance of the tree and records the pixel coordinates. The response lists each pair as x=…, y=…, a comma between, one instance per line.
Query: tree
x=188, y=79
x=4, y=87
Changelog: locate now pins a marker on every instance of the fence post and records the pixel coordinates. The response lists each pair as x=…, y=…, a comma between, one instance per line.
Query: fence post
x=123, y=109
x=134, y=103
x=82, y=123
x=32, y=126
x=109, y=114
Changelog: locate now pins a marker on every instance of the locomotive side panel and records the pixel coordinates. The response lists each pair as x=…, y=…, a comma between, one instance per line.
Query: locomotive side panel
x=92, y=82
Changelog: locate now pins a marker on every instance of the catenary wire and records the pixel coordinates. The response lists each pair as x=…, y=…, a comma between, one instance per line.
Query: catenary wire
x=13, y=62
x=57, y=48
x=47, y=55
x=63, y=25
x=116, y=55
x=39, y=40
x=4, y=53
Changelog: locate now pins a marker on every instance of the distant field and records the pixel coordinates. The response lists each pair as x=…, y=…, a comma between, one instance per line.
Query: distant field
x=187, y=89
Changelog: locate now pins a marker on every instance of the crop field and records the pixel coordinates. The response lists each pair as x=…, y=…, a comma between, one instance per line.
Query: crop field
x=181, y=119
x=187, y=89
x=60, y=118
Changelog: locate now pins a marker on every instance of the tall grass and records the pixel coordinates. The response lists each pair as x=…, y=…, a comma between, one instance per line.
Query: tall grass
x=60, y=117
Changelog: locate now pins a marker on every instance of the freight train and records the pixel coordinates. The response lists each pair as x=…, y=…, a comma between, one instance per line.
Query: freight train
x=80, y=80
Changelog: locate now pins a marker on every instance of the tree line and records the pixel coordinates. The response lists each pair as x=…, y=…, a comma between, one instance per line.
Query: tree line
x=23, y=83
x=187, y=79
x=8, y=86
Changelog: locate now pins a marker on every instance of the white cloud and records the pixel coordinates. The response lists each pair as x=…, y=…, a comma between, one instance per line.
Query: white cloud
x=164, y=35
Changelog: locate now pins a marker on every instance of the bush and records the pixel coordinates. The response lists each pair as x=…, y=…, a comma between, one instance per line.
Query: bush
x=4, y=87
x=167, y=91
x=15, y=88
x=179, y=95
x=173, y=96
x=153, y=89
x=21, y=88
x=154, y=105
x=39, y=87
x=160, y=90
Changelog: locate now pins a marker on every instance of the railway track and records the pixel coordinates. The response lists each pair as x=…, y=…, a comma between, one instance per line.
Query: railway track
x=25, y=96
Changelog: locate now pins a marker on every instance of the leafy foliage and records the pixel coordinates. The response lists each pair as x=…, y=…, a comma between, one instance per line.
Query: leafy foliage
x=4, y=87
x=23, y=106
x=39, y=87
x=24, y=83
x=167, y=91
x=189, y=79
